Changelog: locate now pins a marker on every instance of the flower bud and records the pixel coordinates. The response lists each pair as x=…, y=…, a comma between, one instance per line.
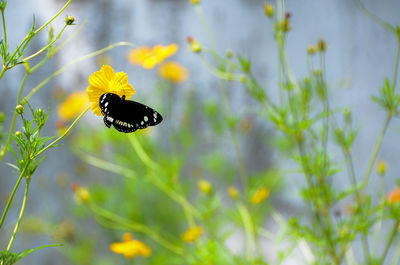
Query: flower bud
x=312, y=49
x=19, y=109
x=2, y=117
x=194, y=45
x=381, y=167
x=321, y=45
x=229, y=53
x=269, y=10
x=204, y=186
x=18, y=134
x=69, y=20
x=39, y=112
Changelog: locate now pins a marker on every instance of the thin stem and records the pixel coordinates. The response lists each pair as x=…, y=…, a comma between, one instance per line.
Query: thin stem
x=45, y=47
x=374, y=17
x=389, y=243
x=242, y=167
x=14, y=119
x=200, y=13
x=136, y=227
x=54, y=17
x=248, y=229
x=21, y=214
x=64, y=134
x=4, y=31
x=93, y=54
x=377, y=147
x=396, y=66
x=10, y=199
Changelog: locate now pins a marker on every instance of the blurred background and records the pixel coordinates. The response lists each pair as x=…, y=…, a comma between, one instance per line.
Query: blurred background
x=360, y=54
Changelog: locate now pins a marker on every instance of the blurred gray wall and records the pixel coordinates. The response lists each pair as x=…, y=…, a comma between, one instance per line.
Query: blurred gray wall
x=360, y=55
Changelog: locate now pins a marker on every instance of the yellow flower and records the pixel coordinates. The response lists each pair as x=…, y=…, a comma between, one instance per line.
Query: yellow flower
x=173, y=72
x=106, y=81
x=150, y=57
x=204, y=186
x=194, y=2
x=381, y=167
x=73, y=105
x=233, y=192
x=130, y=248
x=260, y=195
x=192, y=234
x=312, y=49
x=394, y=196
x=82, y=194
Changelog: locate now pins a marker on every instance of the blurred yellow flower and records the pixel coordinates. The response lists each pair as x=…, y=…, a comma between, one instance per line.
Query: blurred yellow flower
x=381, y=167
x=260, y=195
x=173, y=71
x=233, y=192
x=204, y=186
x=82, y=194
x=106, y=81
x=194, y=2
x=192, y=234
x=394, y=196
x=73, y=105
x=130, y=248
x=150, y=57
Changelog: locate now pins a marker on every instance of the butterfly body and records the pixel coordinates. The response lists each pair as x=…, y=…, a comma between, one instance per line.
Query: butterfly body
x=127, y=115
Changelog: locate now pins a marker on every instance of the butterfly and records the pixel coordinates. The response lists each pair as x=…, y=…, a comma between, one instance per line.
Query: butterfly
x=126, y=115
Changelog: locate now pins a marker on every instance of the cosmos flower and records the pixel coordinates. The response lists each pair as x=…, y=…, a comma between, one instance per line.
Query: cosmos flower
x=260, y=195
x=150, y=57
x=106, y=81
x=394, y=196
x=173, y=71
x=192, y=234
x=130, y=247
x=204, y=186
x=74, y=104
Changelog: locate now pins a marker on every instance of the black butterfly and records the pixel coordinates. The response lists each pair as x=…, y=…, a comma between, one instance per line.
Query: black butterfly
x=127, y=115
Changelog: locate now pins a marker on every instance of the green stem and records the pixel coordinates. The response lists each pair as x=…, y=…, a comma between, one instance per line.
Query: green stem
x=396, y=66
x=203, y=19
x=45, y=47
x=377, y=147
x=389, y=243
x=10, y=199
x=374, y=17
x=242, y=167
x=93, y=54
x=136, y=227
x=21, y=214
x=4, y=31
x=54, y=17
x=64, y=134
x=249, y=231
x=14, y=119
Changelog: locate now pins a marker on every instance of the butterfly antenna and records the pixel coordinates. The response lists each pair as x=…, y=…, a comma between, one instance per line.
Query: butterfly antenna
x=123, y=97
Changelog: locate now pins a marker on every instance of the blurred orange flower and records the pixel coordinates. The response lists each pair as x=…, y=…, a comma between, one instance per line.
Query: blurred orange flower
x=192, y=234
x=260, y=195
x=173, y=72
x=150, y=57
x=73, y=105
x=394, y=196
x=130, y=248
x=106, y=81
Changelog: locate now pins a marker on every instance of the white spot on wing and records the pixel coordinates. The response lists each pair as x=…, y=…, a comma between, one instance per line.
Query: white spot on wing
x=145, y=118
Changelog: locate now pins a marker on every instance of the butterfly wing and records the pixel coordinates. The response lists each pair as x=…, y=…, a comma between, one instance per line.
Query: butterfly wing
x=126, y=115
